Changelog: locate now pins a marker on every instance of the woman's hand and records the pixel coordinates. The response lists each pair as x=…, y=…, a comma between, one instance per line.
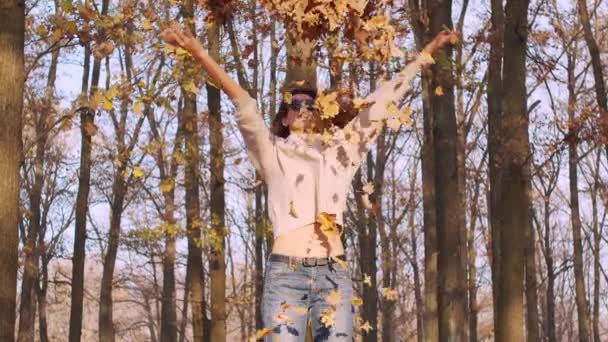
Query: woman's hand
x=442, y=39
x=183, y=39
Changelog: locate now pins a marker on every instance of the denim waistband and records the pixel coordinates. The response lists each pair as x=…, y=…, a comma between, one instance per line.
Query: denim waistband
x=307, y=261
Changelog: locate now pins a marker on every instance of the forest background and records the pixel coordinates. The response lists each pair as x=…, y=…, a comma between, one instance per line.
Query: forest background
x=140, y=218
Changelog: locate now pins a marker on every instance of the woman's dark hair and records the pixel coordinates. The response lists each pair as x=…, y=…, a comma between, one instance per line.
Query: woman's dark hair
x=346, y=113
x=277, y=127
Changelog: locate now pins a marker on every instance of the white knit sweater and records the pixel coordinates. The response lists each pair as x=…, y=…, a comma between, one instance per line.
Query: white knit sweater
x=307, y=175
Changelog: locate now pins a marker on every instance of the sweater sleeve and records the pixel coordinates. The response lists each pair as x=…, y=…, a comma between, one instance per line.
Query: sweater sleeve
x=368, y=123
x=259, y=140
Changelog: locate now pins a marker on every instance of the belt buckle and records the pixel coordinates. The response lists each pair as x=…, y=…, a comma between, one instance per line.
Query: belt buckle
x=305, y=261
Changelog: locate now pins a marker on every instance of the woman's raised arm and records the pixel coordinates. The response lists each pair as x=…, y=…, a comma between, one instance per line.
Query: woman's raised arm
x=369, y=121
x=258, y=138
x=186, y=40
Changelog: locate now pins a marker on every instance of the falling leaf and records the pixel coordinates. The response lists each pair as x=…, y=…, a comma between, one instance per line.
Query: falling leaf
x=368, y=188
x=393, y=123
x=334, y=297
x=299, y=83
x=439, y=91
x=328, y=317
x=146, y=25
x=167, y=185
x=405, y=116
x=426, y=58
x=107, y=104
x=42, y=31
x=328, y=105
x=390, y=294
x=138, y=107
x=356, y=301
x=287, y=97
x=292, y=210
x=366, y=327
x=327, y=223
x=138, y=172
x=300, y=310
x=327, y=138
x=262, y=333
x=367, y=280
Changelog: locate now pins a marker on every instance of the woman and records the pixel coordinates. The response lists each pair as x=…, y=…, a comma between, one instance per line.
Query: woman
x=308, y=177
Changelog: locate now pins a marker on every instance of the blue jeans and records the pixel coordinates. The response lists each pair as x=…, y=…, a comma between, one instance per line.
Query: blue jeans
x=293, y=293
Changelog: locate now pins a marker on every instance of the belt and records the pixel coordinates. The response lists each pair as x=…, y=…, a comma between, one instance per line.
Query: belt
x=306, y=261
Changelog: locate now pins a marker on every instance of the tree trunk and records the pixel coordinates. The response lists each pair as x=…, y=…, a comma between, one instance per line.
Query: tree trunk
x=367, y=264
x=168, y=328
x=532, y=320
x=82, y=203
x=217, y=262
x=597, y=236
x=29, y=284
x=510, y=157
x=582, y=306
x=106, y=324
x=452, y=286
x=87, y=117
x=193, y=206
x=12, y=78
x=596, y=63
x=119, y=193
x=550, y=319
x=494, y=120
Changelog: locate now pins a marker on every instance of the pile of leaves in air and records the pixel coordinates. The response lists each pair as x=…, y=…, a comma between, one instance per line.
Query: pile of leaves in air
x=367, y=34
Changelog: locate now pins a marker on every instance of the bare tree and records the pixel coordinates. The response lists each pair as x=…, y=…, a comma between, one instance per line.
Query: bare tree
x=12, y=77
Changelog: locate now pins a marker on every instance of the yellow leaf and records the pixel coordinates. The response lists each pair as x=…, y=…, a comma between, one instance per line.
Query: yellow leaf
x=262, y=333
x=146, y=25
x=167, y=185
x=393, y=123
x=327, y=138
x=367, y=280
x=366, y=327
x=439, y=91
x=107, y=104
x=328, y=105
x=357, y=301
x=138, y=107
x=328, y=317
x=138, y=172
x=292, y=210
x=327, y=223
x=300, y=310
x=42, y=31
x=287, y=97
x=392, y=108
x=334, y=297
x=390, y=294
